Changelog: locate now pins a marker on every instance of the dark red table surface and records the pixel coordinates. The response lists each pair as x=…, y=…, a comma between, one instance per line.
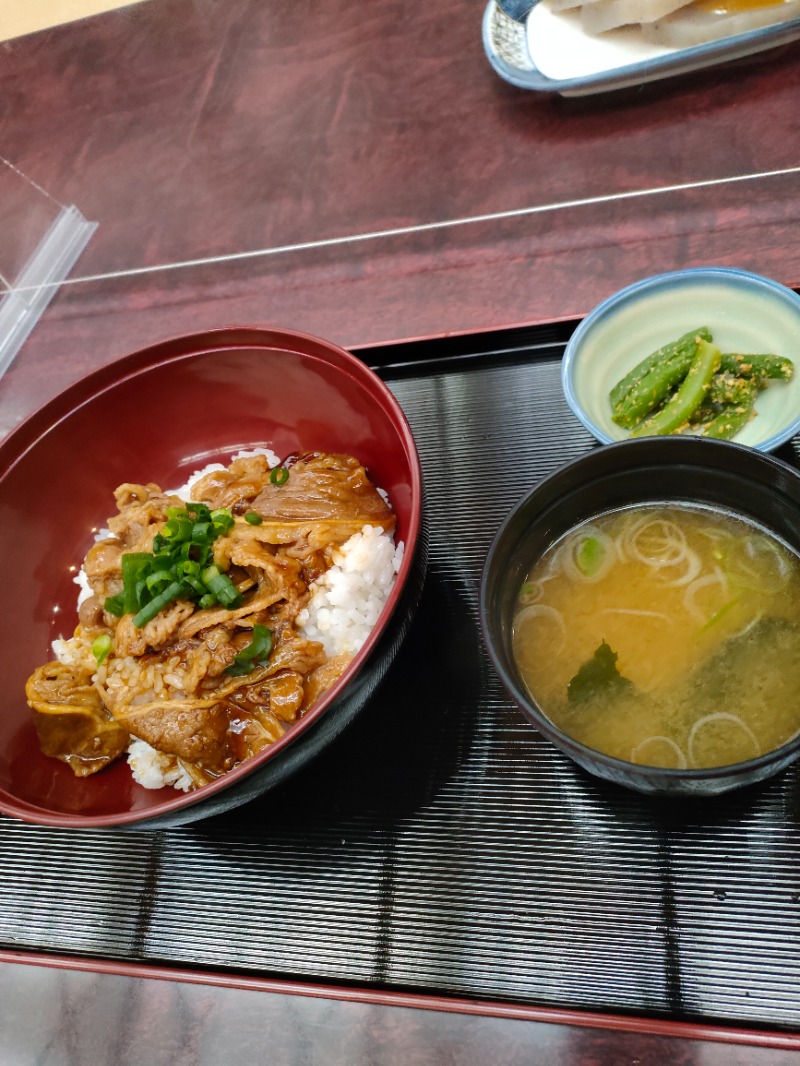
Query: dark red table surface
x=358, y=171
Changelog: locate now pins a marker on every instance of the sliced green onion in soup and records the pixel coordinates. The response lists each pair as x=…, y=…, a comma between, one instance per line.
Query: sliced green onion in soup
x=652, y=752
x=706, y=596
x=758, y=564
x=588, y=556
x=724, y=610
x=721, y=726
x=532, y=621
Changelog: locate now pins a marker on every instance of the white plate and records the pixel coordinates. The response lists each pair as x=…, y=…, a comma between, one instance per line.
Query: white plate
x=550, y=52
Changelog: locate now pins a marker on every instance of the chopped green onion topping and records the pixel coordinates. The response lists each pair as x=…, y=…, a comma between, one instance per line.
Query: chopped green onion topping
x=134, y=567
x=222, y=587
x=158, y=581
x=253, y=518
x=255, y=654
x=180, y=566
x=201, y=531
x=101, y=646
x=279, y=475
x=151, y=609
x=178, y=528
x=113, y=604
x=222, y=520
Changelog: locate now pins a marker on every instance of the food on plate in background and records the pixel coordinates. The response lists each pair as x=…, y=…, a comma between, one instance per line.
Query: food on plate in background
x=690, y=386
x=678, y=23
x=710, y=20
x=212, y=617
x=666, y=635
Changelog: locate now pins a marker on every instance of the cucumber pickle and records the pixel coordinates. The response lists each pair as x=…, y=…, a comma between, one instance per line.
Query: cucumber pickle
x=691, y=386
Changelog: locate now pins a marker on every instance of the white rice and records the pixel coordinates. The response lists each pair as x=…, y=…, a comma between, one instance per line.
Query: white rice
x=153, y=769
x=347, y=599
x=66, y=651
x=85, y=589
x=345, y=604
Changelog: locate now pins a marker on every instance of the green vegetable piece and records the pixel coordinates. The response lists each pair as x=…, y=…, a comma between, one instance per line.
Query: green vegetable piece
x=727, y=388
x=221, y=585
x=646, y=386
x=101, y=648
x=151, y=609
x=720, y=614
x=201, y=533
x=178, y=528
x=598, y=676
x=683, y=403
x=652, y=391
x=758, y=365
x=256, y=652
x=253, y=518
x=135, y=566
x=158, y=581
x=182, y=552
x=222, y=521
x=200, y=511
x=114, y=605
x=730, y=420
x=279, y=475
x=589, y=556
x=706, y=412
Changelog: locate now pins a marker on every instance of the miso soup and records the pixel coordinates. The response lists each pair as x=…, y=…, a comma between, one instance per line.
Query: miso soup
x=665, y=635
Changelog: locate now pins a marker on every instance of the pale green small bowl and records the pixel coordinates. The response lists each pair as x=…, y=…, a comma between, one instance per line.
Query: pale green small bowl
x=745, y=312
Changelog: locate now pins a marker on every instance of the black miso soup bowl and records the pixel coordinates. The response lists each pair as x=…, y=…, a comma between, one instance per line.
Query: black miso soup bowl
x=731, y=477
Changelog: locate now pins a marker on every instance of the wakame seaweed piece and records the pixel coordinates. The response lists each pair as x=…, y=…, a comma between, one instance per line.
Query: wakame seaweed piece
x=647, y=385
x=598, y=676
x=758, y=365
x=770, y=644
x=680, y=407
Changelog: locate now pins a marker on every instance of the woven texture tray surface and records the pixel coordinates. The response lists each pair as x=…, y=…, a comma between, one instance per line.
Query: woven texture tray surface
x=442, y=845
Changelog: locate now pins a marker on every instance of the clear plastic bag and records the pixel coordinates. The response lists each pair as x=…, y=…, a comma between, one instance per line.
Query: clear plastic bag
x=40, y=241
